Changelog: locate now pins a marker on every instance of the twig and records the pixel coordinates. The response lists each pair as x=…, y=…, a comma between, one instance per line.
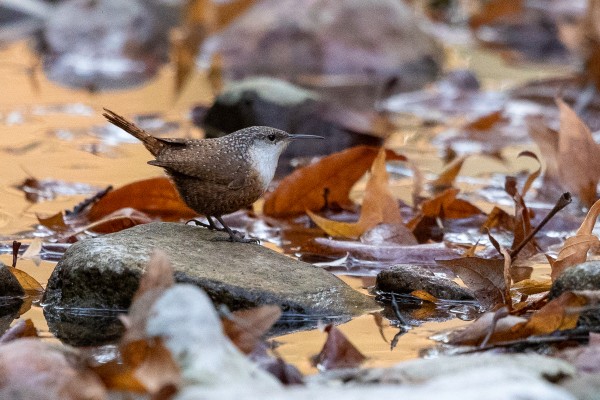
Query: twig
x=562, y=202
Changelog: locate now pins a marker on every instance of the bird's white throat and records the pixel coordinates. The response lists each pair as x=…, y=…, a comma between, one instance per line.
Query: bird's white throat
x=264, y=157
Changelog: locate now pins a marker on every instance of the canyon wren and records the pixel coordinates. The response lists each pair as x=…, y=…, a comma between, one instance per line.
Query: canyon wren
x=217, y=176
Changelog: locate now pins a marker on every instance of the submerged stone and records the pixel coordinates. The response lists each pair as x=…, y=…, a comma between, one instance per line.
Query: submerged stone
x=104, y=272
x=405, y=278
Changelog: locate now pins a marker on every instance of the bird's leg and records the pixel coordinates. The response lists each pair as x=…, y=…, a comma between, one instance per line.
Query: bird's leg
x=235, y=236
x=211, y=224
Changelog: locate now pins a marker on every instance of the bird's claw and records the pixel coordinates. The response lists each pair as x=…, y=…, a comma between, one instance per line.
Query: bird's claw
x=241, y=238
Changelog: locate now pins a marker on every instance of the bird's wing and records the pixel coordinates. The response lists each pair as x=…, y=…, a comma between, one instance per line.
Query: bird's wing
x=203, y=164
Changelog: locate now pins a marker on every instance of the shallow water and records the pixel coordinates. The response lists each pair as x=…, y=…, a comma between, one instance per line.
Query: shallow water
x=50, y=132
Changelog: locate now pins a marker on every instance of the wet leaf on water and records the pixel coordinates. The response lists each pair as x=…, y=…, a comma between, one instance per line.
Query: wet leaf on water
x=27, y=282
x=486, y=122
x=575, y=248
x=156, y=197
x=55, y=222
x=22, y=329
x=485, y=277
x=303, y=189
x=446, y=205
x=246, y=328
x=425, y=296
x=337, y=352
x=379, y=206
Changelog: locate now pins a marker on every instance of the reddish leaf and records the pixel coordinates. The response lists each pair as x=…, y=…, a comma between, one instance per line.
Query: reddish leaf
x=304, y=188
x=337, y=352
x=156, y=197
x=486, y=122
x=446, y=205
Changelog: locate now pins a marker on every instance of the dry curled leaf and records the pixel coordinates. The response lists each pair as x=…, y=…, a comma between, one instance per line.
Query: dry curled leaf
x=574, y=250
x=379, y=206
x=303, y=189
x=447, y=177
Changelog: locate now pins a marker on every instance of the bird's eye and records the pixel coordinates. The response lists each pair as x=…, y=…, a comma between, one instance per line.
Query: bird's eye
x=271, y=137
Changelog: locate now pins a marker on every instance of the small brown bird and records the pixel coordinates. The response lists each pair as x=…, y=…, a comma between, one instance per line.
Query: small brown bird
x=217, y=176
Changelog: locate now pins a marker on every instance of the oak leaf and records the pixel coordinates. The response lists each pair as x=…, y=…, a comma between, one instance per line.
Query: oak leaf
x=337, y=352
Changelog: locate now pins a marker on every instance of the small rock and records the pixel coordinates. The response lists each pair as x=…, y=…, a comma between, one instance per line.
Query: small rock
x=584, y=276
x=405, y=278
x=104, y=272
x=9, y=285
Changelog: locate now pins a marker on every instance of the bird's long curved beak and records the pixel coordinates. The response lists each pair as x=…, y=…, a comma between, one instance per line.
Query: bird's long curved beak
x=294, y=137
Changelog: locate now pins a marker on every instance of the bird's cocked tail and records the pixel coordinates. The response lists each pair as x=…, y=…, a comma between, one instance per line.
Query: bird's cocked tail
x=153, y=144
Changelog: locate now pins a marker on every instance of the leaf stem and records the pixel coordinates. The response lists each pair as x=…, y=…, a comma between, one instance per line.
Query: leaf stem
x=564, y=200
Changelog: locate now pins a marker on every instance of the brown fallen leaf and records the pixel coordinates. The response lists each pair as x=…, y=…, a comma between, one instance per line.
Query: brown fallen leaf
x=379, y=206
x=578, y=155
x=447, y=177
x=55, y=222
x=486, y=122
x=303, y=189
x=531, y=286
x=156, y=197
x=27, y=282
x=574, y=250
x=474, y=333
x=495, y=10
x=498, y=218
x=556, y=315
x=485, y=278
x=337, y=352
x=446, y=205
x=246, y=328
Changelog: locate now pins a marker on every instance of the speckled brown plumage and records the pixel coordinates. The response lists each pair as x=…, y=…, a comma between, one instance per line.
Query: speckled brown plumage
x=216, y=176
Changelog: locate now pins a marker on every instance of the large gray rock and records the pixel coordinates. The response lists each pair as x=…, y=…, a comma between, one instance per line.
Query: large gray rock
x=104, y=273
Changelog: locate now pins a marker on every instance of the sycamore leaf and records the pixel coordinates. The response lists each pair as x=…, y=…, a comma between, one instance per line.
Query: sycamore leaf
x=379, y=206
x=303, y=189
x=156, y=197
x=337, y=352
x=485, y=278
x=574, y=250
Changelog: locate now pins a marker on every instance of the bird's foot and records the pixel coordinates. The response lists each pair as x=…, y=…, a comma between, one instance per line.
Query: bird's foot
x=239, y=237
